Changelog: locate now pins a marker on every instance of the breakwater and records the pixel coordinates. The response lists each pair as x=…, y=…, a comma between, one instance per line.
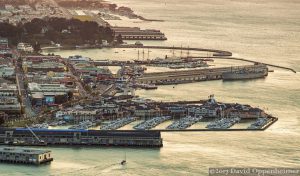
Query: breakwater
x=251, y=61
x=214, y=51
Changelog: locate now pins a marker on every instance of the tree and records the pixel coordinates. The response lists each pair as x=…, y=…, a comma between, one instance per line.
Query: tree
x=79, y=32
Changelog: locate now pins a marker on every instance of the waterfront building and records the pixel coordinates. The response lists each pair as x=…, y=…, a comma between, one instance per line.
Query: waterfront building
x=245, y=112
x=25, y=156
x=89, y=112
x=77, y=114
x=175, y=110
x=10, y=136
x=146, y=111
x=198, y=111
x=135, y=33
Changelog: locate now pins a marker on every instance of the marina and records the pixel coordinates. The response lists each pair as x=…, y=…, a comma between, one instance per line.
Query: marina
x=187, y=123
x=223, y=123
x=259, y=120
x=83, y=125
x=259, y=123
x=184, y=123
x=151, y=123
x=116, y=124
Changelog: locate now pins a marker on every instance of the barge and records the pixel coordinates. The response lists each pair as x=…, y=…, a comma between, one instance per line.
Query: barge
x=25, y=137
x=25, y=156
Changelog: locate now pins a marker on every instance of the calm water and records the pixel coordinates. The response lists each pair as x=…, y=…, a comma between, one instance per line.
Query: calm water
x=263, y=30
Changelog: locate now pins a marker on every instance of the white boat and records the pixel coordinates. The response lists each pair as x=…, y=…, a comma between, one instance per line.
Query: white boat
x=24, y=47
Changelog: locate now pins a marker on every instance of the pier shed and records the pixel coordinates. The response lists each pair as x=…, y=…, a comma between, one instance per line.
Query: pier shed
x=25, y=155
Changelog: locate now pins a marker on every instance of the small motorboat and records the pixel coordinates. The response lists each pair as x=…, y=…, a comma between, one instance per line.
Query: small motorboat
x=123, y=162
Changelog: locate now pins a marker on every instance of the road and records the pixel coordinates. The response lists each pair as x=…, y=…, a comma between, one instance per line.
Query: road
x=83, y=93
x=97, y=18
x=23, y=92
x=66, y=13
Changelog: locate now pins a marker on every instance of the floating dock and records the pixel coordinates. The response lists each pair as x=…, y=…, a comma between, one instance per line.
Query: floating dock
x=24, y=137
x=25, y=156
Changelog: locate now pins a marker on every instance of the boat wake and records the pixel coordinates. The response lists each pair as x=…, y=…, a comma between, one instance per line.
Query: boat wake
x=106, y=169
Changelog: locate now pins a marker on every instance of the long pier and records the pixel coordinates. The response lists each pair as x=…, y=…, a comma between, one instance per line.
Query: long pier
x=196, y=75
x=220, y=53
x=251, y=61
x=214, y=51
x=23, y=136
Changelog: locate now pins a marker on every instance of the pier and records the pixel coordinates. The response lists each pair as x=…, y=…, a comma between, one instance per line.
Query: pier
x=24, y=137
x=251, y=61
x=25, y=156
x=135, y=33
x=188, y=76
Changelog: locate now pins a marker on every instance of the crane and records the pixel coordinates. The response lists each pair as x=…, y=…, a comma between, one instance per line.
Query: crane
x=36, y=137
